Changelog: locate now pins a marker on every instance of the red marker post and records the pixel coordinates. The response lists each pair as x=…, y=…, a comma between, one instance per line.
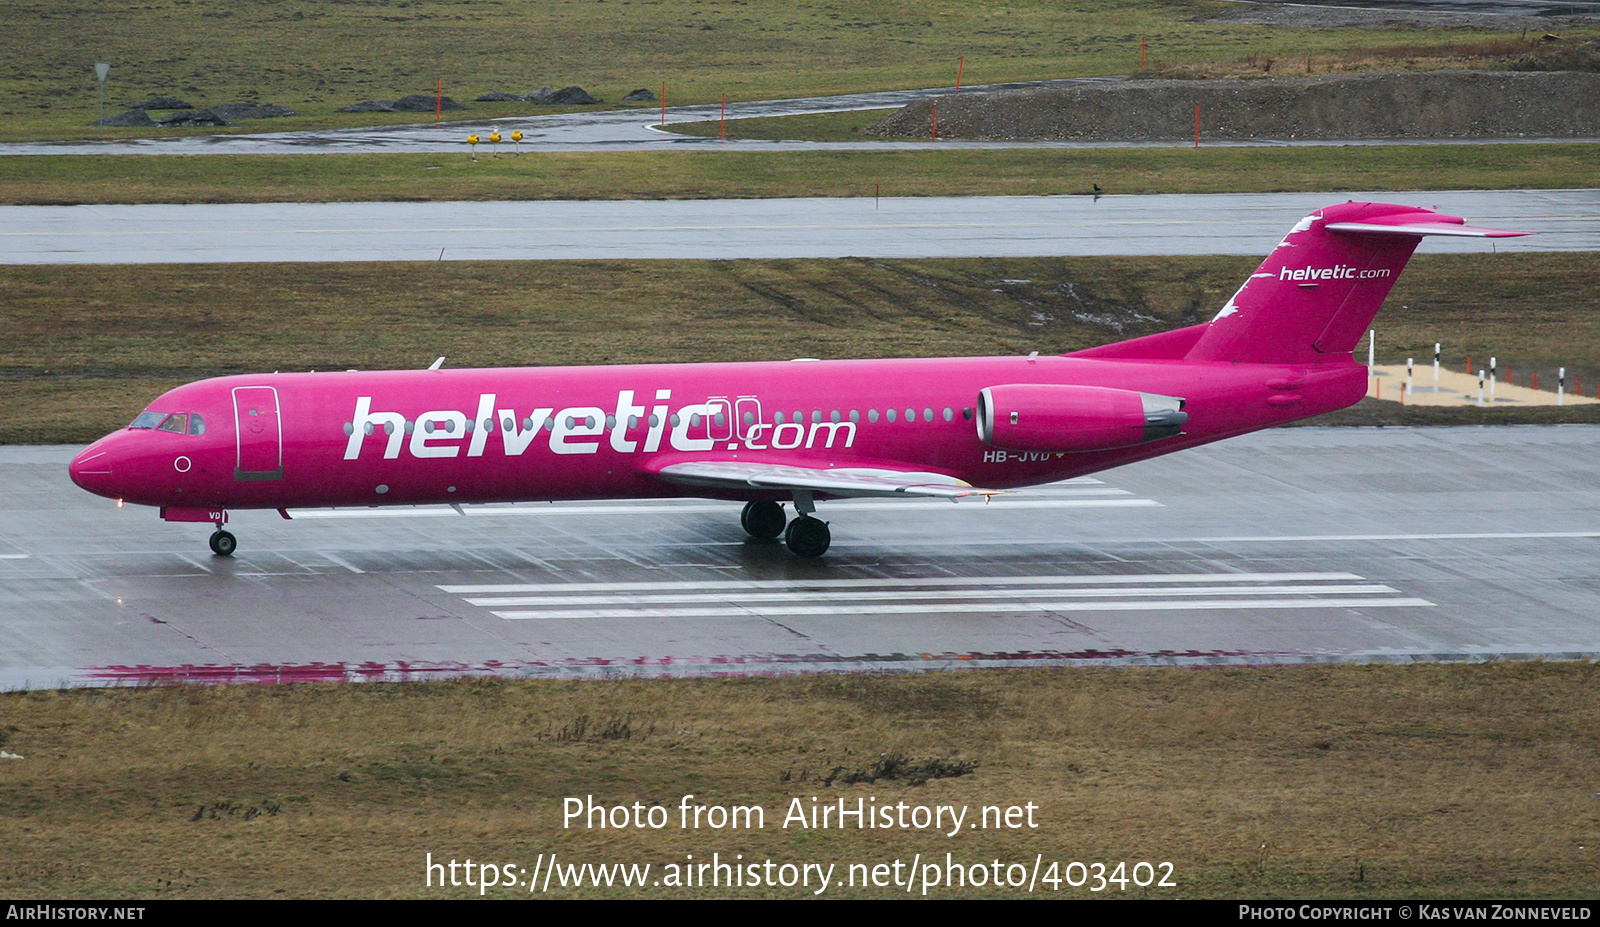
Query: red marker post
x=933, y=131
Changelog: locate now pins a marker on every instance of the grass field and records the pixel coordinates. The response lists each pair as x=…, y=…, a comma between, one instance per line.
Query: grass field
x=695, y=175
x=90, y=346
x=317, y=57
x=1347, y=782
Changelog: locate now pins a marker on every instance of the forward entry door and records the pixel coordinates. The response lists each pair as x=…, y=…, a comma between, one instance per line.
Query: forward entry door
x=259, y=428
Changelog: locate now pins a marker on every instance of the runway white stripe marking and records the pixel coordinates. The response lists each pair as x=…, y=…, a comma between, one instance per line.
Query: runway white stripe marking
x=892, y=582
x=1483, y=536
x=340, y=561
x=837, y=611
x=936, y=595
x=14, y=556
x=929, y=595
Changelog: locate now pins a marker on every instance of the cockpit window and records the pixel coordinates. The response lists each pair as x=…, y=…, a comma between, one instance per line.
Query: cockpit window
x=197, y=425
x=147, y=420
x=177, y=423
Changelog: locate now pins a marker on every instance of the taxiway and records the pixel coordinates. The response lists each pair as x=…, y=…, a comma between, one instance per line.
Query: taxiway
x=906, y=227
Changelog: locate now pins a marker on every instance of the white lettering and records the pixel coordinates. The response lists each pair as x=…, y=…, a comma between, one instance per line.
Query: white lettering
x=577, y=422
x=480, y=434
x=514, y=436
x=368, y=422
x=833, y=428
x=777, y=435
x=680, y=432
x=626, y=410
x=444, y=425
x=1341, y=272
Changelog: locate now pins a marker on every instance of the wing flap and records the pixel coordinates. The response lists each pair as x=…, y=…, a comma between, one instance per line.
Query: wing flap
x=837, y=481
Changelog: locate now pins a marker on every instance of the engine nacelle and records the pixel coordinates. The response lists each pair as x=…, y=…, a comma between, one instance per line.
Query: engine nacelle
x=1045, y=417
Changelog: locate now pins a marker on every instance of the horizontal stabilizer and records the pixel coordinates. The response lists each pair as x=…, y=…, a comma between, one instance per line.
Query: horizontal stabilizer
x=1455, y=229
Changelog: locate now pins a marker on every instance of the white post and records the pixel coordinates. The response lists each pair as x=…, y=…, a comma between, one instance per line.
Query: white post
x=1561, y=386
x=1491, y=379
x=1372, y=347
x=1436, y=365
x=1408, y=374
x=1480, y=387
x=101, y=69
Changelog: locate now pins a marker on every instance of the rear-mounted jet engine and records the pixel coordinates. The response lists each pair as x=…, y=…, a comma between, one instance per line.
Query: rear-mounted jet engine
x=1065, y=418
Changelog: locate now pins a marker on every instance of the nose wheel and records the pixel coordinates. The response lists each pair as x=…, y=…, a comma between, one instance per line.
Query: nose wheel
x=807, y=536
x=223, y=543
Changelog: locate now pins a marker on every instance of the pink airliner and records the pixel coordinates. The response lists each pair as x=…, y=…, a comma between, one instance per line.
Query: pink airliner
x=769, y=433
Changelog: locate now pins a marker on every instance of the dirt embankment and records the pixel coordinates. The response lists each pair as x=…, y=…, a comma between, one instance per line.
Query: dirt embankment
x=1436, y=104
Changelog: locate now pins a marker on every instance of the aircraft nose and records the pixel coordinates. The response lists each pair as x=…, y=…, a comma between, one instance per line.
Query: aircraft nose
x=91, y=470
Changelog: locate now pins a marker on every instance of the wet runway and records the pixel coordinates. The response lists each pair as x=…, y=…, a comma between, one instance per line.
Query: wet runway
x=1028, y=226
x=1295, y=545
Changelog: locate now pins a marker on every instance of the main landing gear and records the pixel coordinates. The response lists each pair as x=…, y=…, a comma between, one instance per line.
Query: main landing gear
x=805, y=536
x=762, y=520
x=223, y=543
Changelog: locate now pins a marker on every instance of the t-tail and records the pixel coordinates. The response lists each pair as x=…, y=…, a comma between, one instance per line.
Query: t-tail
x=1316, y=294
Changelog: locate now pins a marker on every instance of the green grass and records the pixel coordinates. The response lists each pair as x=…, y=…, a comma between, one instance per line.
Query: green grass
x=502, y=175
x=89, y=347
x=1368, y=782
x=317, y=57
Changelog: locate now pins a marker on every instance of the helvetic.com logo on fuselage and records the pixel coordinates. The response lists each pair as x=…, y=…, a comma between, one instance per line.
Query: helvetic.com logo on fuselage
x=1344, y=272
x=579, y=429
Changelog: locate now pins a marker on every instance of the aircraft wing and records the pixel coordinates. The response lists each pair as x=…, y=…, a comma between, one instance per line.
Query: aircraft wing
x=835, y=481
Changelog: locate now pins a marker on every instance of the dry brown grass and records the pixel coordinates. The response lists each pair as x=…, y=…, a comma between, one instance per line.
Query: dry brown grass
x=1505, y=52
x=1421, y=781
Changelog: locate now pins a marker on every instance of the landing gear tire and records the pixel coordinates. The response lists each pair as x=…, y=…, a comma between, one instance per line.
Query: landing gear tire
x=807, y=536
x=223, y=543
x=762, y=520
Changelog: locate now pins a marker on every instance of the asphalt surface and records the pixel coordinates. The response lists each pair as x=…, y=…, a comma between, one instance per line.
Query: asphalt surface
x=1289, y=546
x=1249, y=224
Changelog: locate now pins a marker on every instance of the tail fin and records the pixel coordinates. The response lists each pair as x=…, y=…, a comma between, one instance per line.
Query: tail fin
x=1313, y=297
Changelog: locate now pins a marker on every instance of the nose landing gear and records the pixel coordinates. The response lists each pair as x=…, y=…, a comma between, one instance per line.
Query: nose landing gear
x=223, y=543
